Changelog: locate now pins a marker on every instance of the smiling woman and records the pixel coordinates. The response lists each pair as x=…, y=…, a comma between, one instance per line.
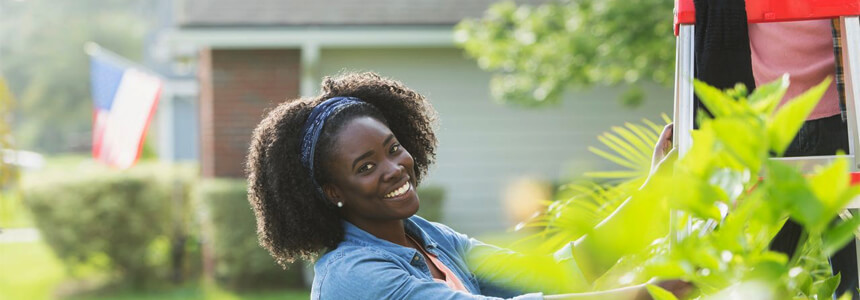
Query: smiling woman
x=334, y=177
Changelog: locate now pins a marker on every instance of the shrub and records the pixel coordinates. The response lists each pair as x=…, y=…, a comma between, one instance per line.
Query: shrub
x=240, y=262
x=133, y=224
x=431, y=197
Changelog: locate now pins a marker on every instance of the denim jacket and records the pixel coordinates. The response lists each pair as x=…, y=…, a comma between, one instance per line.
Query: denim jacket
x=366, y=267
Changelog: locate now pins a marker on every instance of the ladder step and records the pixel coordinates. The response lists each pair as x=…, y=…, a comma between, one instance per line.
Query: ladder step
x=808, y=163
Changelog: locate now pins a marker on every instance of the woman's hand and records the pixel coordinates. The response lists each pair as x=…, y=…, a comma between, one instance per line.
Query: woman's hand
x=663, y=152
x=662, y=148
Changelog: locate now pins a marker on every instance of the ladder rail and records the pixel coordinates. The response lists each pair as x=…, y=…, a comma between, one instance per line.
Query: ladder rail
x=683, y=111
x=684, y=68
x=850, y=28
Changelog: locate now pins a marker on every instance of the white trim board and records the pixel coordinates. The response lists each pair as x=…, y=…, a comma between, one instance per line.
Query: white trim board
x=324, y=37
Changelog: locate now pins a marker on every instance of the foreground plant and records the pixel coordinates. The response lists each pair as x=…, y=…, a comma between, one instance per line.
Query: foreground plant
x=706, y=217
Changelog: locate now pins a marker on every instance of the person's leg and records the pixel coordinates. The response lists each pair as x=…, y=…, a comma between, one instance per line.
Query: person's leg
x=786, y=240
x=834, y=135
x=844, y=262
x=800, y=144
x=826, y=136
x=830, y=135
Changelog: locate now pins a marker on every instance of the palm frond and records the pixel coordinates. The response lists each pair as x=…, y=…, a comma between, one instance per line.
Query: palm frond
x=580, y=206
x=614, y=158
x=622, y=148
x=631, y=137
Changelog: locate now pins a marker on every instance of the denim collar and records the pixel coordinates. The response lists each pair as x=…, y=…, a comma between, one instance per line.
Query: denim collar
x=357, y=236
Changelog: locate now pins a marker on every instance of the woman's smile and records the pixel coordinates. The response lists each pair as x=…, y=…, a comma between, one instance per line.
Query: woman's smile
x=400, y=192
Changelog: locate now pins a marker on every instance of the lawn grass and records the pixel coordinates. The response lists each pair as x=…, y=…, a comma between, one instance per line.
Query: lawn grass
x=28, y=271
x=198, y=292
x=13, y=213
x=31, y=271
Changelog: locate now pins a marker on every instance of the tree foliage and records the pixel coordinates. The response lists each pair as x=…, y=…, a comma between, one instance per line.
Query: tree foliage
x=536, y=52
x=41, y=45
x=8, y=172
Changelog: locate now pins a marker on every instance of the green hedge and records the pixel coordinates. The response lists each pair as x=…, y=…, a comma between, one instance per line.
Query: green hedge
x=431, y=198
x=240, y=262
x=135, y=224
x=143, y=227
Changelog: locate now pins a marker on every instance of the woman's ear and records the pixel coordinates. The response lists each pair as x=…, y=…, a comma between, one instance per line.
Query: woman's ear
x=332, y=193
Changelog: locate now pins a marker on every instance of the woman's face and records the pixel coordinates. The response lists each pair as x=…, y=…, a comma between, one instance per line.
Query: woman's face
x=371, y=173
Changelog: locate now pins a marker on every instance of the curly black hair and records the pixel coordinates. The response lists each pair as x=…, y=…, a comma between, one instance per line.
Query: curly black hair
x=293, y=219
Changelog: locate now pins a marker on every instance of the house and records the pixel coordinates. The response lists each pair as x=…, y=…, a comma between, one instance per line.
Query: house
x=251, y=55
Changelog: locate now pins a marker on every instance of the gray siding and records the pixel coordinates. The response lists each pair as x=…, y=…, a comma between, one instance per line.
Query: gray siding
x=330, y=12
x=483, y=146
x=186, y=135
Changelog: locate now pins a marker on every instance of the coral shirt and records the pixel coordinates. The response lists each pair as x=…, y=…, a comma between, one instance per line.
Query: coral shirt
x=804, y=50
x=451, y=279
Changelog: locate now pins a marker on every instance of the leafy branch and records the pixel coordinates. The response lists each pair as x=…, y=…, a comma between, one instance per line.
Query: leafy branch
x=537, y=52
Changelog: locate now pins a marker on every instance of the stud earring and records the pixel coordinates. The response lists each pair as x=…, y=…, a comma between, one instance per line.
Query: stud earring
x=339, y=204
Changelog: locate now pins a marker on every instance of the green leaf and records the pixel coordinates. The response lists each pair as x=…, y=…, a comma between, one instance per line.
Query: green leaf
x=535, y=52
x=835, y=238
x=614, y=174
x=642, y=147
x=765, y=98
x=770, y=266
x=696, y=197
x=730, y=181
x=654, y=133
x=741, y=140
x=646, y=134
x=622, y=161
x=659, y=293
x=788, y=187
x=830, y=183
x=783, y=126
x=624, y=149
x=665, y=118
x=713, y=98
x=699, y=159
x=825, y=289
x=520, y=270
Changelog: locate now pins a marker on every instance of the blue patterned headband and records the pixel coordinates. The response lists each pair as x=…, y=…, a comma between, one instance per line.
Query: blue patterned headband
x=313, y=128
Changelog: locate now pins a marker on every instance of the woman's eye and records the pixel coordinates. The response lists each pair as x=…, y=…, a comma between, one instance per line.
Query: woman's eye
x=366, y=167
x=394, y=148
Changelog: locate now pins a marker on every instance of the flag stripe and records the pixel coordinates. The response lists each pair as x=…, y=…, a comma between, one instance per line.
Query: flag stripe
x=124, y=104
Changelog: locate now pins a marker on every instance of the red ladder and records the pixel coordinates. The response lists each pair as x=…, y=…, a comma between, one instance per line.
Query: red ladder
x=759, y=11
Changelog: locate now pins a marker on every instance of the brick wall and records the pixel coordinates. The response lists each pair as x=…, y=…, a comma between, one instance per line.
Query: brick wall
x=237, y=87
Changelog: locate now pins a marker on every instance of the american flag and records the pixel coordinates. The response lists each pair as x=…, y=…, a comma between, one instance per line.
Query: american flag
x=124, y=101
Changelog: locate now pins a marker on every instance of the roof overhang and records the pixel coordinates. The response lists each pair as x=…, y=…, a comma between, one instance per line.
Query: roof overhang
x=319, y=36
